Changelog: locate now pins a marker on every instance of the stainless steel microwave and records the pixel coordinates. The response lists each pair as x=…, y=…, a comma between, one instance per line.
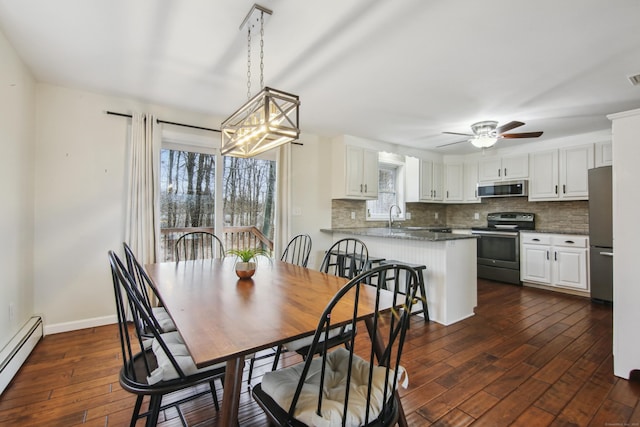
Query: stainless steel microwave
x=503, y=189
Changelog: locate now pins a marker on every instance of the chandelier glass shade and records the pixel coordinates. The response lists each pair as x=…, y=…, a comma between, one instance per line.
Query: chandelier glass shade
x=483, y=141
x=268, y=119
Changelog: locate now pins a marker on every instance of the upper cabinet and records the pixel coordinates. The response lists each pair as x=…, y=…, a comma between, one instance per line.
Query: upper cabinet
x=470, y=190
x=604, y=154
x=355, y=171
x=454, y=182
x=503, y=168
x=424, y=180
x=561, y=174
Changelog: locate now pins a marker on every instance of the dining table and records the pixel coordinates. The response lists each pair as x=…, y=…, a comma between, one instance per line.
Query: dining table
x=222, y=318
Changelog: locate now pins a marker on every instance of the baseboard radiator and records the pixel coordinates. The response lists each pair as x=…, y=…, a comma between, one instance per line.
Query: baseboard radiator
x=14, y=354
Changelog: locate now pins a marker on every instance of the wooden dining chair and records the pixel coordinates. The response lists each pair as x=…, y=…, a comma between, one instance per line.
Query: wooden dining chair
x=298, y=250
x=158, y=365
x=199, y=245
x=356, y=385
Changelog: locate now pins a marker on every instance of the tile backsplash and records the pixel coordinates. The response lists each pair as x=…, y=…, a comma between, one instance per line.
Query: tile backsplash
x=571, y=216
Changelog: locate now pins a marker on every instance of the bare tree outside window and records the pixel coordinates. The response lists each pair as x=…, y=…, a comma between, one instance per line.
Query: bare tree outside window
x=187, y=199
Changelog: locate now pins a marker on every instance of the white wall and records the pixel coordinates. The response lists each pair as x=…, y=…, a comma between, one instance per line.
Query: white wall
x=626, y=235
x=311, y=193
x=80, y=166
x=17, y=140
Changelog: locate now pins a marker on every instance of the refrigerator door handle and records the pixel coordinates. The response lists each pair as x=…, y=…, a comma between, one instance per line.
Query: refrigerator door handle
x=606, y=254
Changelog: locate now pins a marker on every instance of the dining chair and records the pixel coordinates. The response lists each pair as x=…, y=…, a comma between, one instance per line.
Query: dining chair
x=347, y=258
x=148, y=293
x=356, y=385
x=298, y=250
x=154, y=366
x=199, y=245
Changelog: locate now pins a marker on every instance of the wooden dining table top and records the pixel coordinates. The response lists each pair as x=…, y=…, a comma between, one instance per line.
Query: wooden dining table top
x=221, y=317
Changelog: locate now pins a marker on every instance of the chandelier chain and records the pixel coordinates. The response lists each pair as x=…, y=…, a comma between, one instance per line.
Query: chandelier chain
x=249, y=63
x=262, y=50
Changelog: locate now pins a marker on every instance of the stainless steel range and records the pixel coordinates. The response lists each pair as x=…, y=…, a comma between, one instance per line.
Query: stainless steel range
x=499, y=245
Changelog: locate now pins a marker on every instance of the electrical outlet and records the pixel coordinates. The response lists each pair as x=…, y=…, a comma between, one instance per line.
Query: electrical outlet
x=436, y=215
x=407, y=215
x=353, y=215
x=476, y=215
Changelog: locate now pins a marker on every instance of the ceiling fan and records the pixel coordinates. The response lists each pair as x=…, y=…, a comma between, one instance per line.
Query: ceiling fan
x=486, y=133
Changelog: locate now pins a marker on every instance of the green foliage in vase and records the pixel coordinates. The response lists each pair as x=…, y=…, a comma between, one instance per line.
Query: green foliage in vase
x=246, y=255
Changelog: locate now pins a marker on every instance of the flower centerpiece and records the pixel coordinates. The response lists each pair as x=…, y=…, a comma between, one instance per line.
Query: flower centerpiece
x=246, y=267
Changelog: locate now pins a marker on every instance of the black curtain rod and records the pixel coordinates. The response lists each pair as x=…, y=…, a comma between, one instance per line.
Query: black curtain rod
x=113, y=113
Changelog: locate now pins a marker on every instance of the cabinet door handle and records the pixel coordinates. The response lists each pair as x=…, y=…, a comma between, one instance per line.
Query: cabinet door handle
x=365, y=188
x=555, y=256
x=570, y=242
x=536, y=240
x=476, y=193
x=499, y=170
x=505, y=172
x=556, y=189
x=361, y=188
x=447, y=194
x=547, y=255
x=606, y=253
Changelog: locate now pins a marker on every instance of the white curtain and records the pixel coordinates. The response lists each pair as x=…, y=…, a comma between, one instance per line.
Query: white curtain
x=282, y=232
x=141, y=224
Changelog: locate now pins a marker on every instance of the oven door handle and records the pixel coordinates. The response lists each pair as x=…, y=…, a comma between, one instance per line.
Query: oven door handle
x=512, y=234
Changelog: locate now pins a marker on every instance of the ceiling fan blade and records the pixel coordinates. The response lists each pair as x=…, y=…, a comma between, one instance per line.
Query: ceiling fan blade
x=521, y=135
x=452, y=143
x=458, y=133
x=508, y=126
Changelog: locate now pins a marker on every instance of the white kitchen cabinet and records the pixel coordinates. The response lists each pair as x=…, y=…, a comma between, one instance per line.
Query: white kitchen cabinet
x=454, y=182
x=604, y=154
x=561, y=174
x=506, y=168
x=355, y=172
x=557, y=260
x=424, y=180
x=470, y=190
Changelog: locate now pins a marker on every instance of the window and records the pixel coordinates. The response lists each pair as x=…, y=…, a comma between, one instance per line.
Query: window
x=244, y=198
x=390, y=188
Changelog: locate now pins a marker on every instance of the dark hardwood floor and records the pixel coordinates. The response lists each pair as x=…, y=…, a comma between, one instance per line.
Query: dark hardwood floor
x=528, y=357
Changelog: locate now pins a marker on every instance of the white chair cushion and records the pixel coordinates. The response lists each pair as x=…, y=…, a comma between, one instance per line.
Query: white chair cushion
x=281, y=386
x=163, y=318
x=165, y=370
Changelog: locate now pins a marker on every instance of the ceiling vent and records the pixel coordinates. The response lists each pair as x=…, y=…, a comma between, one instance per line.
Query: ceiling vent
x=635, y=80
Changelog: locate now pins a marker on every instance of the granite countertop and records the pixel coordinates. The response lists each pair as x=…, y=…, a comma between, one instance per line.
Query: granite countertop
x=413, y=233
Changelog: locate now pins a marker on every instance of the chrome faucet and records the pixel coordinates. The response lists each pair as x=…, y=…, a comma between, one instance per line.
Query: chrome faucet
x=390, y=211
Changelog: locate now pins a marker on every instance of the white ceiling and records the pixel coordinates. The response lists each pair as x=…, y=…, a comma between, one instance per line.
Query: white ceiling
x=395, y=71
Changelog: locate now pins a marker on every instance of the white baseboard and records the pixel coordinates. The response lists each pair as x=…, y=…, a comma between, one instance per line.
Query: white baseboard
x=57, y=328
x=14, y=354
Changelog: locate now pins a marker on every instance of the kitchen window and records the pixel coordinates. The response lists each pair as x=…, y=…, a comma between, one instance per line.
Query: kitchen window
x=391, y=172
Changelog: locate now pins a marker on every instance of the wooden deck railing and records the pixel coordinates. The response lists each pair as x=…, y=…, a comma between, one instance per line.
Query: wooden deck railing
x=232, y=237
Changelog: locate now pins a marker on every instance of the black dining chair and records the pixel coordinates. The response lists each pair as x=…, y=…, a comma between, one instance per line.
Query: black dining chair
x=154, y=366
x=356, y=385
x=347, y=258
x=298, y=250
x=199, y=245
x=148, y=293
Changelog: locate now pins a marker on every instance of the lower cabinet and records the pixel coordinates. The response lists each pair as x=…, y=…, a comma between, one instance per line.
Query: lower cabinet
x=557, y=260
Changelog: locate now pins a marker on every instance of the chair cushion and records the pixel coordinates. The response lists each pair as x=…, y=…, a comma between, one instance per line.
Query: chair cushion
x=178, y=350
x=163, y=318
x=281, y=386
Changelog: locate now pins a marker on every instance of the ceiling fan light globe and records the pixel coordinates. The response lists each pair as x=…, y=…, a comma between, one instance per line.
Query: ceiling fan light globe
x=483, y=141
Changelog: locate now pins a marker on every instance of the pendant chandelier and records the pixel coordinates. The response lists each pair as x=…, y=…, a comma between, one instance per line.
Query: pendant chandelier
x=268, y=119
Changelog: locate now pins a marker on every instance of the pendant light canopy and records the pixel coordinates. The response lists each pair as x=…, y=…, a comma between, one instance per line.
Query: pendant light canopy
x=268, y=119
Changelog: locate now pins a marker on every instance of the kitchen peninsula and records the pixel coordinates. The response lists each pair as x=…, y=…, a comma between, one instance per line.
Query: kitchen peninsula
x=450, y=258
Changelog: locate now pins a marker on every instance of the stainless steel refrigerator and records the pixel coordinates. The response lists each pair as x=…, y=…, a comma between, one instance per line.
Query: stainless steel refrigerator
x=601, y=234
